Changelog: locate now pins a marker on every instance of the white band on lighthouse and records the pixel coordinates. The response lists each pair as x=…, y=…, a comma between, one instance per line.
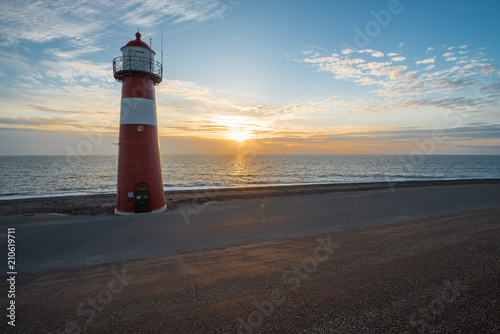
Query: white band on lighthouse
x=138, y=111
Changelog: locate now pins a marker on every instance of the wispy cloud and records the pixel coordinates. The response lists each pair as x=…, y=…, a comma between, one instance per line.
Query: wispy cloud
x=38, y=21
x=43, y=21
x=217, y=116
x=426, y=61
x=76, y=71
x=437, y=85
x=390, y=140
x=398, y=58
x=72, y=54
x=146, y=12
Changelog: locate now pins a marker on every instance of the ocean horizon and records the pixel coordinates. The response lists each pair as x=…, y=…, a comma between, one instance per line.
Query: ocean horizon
x=53, y=176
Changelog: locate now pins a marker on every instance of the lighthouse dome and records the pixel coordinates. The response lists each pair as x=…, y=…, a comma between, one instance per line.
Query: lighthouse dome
x=138, y=42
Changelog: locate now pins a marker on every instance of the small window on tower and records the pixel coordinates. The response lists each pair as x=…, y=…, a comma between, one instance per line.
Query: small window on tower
x=130, y=51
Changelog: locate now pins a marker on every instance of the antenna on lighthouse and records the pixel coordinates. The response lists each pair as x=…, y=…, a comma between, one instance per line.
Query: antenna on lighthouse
x=161, y=37
x=161, y=42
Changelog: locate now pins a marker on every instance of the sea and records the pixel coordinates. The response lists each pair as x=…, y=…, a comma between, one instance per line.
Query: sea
x=48, y=176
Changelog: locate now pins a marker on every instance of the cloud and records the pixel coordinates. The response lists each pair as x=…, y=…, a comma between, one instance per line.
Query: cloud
x=416, y=88
x=57, y=124
x=341, y=67
x=44, y=21
x=185, y=89
x=374, y=64
x=456, y=56
x=427, y=61
x=399, y=58
x=72, y=54
x=13, y=60
x=217, y=117
x=366, y=51
x=77, y=71
x=147, y=12
x=374, y=53
x=388, y=70
x=38, y=21
x=273, y=139
x=404, y=137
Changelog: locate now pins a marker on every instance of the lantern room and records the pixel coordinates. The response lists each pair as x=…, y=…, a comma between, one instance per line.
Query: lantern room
x=137, y=57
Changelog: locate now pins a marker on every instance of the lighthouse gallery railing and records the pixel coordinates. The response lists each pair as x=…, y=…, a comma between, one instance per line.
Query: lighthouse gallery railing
x=127, y=64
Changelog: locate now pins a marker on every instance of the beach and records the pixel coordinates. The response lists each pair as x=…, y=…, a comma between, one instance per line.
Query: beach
x=104, y=204
x=416, y=257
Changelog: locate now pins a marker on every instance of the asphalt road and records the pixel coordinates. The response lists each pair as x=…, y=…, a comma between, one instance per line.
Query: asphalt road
x=48, y=242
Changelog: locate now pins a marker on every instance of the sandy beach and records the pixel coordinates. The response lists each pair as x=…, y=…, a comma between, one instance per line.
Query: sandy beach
x=105, y=204
x=438, y=273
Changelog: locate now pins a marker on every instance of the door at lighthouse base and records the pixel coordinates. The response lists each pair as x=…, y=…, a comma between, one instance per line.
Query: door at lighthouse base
x=141, y=195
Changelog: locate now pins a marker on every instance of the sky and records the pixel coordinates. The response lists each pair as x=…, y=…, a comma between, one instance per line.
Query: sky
x=256, y=77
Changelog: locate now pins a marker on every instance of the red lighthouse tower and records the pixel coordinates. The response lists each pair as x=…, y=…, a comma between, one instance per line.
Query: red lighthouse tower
x=140, y=184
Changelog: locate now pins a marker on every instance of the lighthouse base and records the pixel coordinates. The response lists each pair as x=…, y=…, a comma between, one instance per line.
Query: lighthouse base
x=123, y=213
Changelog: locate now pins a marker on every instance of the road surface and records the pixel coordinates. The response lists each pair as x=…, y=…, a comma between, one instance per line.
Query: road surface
x=48, y=242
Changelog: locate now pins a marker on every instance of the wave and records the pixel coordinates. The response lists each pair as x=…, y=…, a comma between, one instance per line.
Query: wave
x=42, y=177
x=179, y=188
x=13, y=196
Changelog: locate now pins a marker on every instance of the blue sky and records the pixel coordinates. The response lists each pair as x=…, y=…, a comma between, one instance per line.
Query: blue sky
x=362, y=77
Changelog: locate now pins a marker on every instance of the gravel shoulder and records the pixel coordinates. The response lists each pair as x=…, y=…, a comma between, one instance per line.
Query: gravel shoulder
x=436, y=275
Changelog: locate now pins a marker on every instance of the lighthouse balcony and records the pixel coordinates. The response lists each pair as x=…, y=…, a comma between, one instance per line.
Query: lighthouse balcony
x=127, y=65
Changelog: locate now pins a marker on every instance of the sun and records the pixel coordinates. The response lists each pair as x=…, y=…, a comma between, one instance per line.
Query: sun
x=240, y=136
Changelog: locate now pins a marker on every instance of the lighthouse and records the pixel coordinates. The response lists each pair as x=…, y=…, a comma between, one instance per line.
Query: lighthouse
x=140, y=184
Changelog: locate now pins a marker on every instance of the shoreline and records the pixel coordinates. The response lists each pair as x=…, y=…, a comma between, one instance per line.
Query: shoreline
x=182, y=189
x=104, y=204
